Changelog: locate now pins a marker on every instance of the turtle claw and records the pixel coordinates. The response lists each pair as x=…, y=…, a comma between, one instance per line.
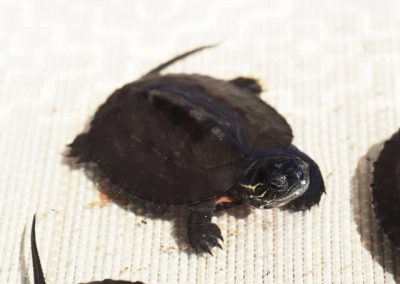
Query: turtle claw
x=204, y=237
x=220, y=236
x=207, y=250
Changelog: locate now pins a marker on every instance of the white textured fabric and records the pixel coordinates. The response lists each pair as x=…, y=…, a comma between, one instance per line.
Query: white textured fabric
x=331, y=67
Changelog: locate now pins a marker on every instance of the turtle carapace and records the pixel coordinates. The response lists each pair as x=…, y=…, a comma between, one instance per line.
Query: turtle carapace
x=180, y=139
x=386, y=189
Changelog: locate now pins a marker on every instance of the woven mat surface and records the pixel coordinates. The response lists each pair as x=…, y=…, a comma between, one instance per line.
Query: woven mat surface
x=331, y=67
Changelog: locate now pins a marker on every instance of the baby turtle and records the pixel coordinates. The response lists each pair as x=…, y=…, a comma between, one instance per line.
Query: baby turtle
x=193, y=140
x=386, y=189
x=37, y=266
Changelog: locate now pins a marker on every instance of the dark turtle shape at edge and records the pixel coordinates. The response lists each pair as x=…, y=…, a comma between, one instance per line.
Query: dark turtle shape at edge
x=193, y=140
x=38, y=274
x=386, y=189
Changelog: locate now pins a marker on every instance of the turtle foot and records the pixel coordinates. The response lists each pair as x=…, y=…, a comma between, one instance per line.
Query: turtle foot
x=204, y=237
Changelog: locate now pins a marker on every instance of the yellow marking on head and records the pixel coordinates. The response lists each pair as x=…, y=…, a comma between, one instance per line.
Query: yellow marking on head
x=251, y=187
x=262, y=194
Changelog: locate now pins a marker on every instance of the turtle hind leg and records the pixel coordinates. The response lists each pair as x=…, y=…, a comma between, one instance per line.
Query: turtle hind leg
x=203, y=235
x=248, y=84
x=80, y=148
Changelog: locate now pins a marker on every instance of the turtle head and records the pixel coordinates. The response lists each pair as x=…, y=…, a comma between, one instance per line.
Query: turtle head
x=273, y=181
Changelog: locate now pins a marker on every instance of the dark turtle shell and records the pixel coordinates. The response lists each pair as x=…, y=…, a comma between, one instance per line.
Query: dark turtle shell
x=386, y=189
x=179, y=139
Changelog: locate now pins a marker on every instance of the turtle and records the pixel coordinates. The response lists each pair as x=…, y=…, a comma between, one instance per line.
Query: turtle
x=201, y=142
x=386, y=189
x=38, y=274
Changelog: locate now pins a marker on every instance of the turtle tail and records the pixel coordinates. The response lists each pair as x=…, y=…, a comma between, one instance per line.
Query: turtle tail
x=80, y=148
x=37, y=267
x=177, y=58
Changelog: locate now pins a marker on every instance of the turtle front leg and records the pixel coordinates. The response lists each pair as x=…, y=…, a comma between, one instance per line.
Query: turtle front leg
x=248, y=84
x=203, y=235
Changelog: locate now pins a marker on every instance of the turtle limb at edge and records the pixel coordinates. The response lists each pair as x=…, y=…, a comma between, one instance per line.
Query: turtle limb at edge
x=248, y=84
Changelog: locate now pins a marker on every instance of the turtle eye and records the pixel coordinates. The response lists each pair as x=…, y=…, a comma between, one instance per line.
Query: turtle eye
x=278, y=182
x=299, y=174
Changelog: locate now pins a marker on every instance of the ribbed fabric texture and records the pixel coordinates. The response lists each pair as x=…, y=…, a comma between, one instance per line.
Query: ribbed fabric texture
x=331, y=67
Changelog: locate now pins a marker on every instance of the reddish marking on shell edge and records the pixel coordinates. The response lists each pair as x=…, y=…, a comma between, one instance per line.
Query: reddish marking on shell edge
x=104, y=200
x=225, y=199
